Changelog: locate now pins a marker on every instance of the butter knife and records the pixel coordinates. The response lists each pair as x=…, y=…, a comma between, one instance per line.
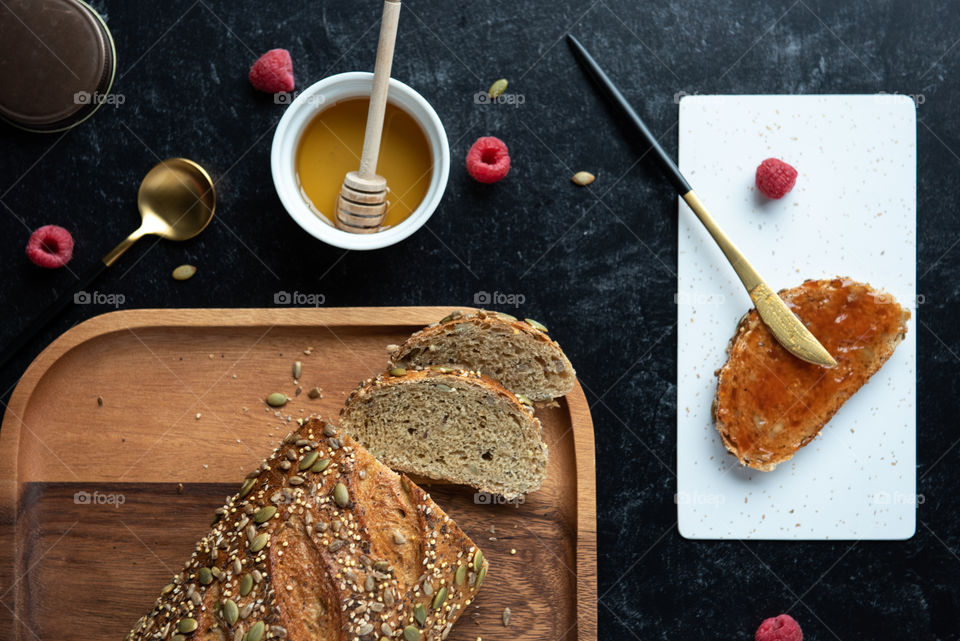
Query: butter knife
x=783, y=323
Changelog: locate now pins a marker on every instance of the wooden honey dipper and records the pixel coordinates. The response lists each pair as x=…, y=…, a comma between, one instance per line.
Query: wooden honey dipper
x=362, y=203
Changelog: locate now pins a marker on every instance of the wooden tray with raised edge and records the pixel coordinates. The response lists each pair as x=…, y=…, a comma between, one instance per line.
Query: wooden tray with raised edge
x=100, y=504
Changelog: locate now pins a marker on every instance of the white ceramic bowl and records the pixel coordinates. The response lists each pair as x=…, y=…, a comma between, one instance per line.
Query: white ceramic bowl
x=286, y=139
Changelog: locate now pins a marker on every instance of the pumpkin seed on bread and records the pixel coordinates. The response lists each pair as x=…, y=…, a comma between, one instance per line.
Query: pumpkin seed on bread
x=451, y=425
x=321, y=542
x=518, y=354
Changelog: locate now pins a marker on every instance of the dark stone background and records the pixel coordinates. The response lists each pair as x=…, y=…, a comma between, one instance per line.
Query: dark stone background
x=601, y=273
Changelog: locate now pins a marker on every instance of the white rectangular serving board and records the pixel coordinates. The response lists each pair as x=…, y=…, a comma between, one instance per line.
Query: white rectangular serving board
x=852, y=213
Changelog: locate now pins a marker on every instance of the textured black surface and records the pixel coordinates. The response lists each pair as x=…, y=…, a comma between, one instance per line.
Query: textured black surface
x=601, y=273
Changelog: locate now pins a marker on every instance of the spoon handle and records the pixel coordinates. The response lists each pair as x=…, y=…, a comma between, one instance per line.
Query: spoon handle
x=76, y=294
x=381, y=84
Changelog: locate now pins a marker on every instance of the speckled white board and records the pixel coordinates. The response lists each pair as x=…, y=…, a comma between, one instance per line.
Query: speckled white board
x=852, y=213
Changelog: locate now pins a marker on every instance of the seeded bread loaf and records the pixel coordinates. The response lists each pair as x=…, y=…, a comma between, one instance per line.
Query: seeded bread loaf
x=520, y=355
x=770, y=403
x=450, y=425
x=321, y=542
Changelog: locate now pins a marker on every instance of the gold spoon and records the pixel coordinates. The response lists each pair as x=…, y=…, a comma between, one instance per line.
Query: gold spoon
x=176, y=201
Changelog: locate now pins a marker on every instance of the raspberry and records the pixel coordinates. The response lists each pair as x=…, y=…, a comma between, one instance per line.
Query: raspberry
x=779, y=628
x=273, y=72
x=775, y=178
x=50, y=246
x=488, y=160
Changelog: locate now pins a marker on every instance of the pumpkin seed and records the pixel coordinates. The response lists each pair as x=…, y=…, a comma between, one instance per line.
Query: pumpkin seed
x=364, y=629
x=340, y=495
x=320, y=465
x=411, y=633
x=439, y=598
x=168, y=588
x=255, y=633
x=461, y=575
x=259, y=542
x=583, y=178
x=205, y=576
x=497, y=88
x=480, y=577
x=246, y=584
x=184, y=272
x=506, y=617
x=398, y=371
x=420, y=613
x=506, y=316
x=187, y=625
x=246, y=486
x=178, y=637
x=445, y=388
x=314, y=392
x=230, y=611
x=277, y=399
x=264, y=514
x=536, y=324
x=297, y=369
x=296, y=480
x=525, y=400
x=308, y=459
x=477, y=561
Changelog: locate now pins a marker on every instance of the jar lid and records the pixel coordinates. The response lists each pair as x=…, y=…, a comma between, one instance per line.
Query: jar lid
x=57, y=62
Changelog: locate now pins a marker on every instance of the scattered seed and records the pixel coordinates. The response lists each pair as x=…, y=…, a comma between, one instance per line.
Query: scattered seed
x=445, y=388
x=525, y=400
x=461, y=574
x=583, y=178
x=398, y=371
x=184, y=272
x=205, y=576
x=411, y=633
x=420, y=613
x=439, y=598
x=497, y=88
x=297, y=369
x=277, y=399
x=506, y=617
x=329, y=430
x=427, y=588
x=315, y=393
x=340, y=495
x=246, y=486
x=364, y=629
x=295, y=480
x=99, y=401
x=477, y=561
x=480, y=576
x=369, y=584
x=320, y=465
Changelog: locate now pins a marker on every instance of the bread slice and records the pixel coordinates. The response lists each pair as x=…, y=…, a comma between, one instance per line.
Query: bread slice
x=321, y=542
x=520, y=355
x=770, y=403
x=450, y=425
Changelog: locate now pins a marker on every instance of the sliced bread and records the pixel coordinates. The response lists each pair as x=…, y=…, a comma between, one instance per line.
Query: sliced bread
x=520, y=355
x=770, y=403
x=450, y=425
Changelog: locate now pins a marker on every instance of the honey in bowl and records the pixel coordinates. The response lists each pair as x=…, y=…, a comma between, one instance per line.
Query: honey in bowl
x=330, y=147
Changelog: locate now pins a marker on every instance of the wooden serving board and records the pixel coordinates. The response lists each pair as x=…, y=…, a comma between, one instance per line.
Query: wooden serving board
x=102, y=501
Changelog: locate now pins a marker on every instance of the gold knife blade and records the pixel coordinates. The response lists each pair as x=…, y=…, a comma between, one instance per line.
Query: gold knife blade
x=783, y=323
